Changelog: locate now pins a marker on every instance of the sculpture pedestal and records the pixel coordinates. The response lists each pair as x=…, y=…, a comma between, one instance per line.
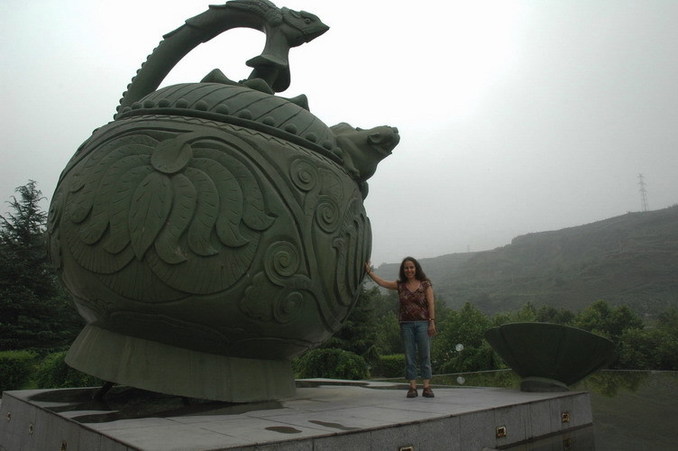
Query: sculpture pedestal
x=167, y=369
x=324, y=414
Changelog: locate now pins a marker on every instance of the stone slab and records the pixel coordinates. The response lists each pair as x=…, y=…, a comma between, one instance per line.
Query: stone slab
x=322, y=415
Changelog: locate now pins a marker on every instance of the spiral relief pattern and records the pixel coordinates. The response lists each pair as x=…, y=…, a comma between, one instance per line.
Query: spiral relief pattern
x=282, y=302
x=282, y=260
x=303, y=174
x=327, y=214
x=287, y=306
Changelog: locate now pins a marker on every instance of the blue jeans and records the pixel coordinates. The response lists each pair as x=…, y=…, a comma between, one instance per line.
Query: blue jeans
x=417, y=347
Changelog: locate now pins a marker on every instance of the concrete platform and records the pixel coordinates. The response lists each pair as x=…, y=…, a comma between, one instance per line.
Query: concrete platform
x=323, y=415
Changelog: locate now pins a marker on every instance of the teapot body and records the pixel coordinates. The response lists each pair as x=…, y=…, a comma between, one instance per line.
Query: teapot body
x=210, y=236
x=214, y=230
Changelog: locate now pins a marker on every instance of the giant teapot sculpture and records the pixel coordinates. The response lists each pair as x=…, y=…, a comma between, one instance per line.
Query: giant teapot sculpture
x=212, y=231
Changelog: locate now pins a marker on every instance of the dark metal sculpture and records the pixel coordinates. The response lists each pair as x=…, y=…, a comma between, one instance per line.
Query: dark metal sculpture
x=549, y=357
x=214, y=230
x=284, y=29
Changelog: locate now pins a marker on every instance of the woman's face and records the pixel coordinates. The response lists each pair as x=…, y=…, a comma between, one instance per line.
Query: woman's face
x=409, y=269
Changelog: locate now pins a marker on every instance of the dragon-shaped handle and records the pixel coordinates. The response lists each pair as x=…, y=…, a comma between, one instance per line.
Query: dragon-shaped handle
x=284, y=29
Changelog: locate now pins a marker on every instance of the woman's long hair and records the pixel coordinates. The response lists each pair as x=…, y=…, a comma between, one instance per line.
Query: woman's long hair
x=418, y=272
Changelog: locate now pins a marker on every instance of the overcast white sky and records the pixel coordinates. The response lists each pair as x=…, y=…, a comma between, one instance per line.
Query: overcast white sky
x=515, y=116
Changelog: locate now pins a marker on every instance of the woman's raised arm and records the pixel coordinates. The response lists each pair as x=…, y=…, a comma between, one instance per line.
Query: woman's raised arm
x=391, y=285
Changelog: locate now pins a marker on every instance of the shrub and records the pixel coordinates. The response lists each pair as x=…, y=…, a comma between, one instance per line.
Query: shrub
x=331, y=363
x=391, y=365
x=478, y=358
x=15, y=369
x=53, y=372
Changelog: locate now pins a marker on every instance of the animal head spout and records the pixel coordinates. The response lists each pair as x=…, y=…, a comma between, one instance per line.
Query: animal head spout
x=307, y=26
x=364, y=149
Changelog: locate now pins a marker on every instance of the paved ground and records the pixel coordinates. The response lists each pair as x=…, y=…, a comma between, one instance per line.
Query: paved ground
x=324, y=414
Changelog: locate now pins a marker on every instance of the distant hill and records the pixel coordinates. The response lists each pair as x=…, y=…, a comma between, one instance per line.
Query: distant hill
x=630, y=259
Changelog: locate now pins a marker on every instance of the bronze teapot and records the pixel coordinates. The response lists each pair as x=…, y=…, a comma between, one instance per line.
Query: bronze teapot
x=214, y=230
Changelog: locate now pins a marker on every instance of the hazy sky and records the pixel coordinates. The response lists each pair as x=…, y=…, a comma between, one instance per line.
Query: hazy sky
x=515, y=116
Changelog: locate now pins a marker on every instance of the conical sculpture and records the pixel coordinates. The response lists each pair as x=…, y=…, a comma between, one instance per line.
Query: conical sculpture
x=214, y=230
x=549, y=357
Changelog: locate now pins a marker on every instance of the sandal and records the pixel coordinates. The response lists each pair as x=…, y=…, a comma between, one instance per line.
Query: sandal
x=412, y=392
x=427, y=393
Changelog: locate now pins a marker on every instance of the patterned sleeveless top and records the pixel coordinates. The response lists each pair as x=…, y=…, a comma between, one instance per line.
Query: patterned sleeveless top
x=413, y=305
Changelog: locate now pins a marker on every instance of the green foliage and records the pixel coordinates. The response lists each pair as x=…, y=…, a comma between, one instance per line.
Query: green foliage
x=390, y=365
x=53, y=372
x=636, y=350
x=668, y=320
x=543, y=314
x=387, y=328
x=530, y=313
x=548, y=314
x=358, y=333
x=609, y=383
x=22, y=241
x=443, y=311
x=34, y=311
x=654, y=347
x=473, y=358
x=331, y=363
x=460, y=345
x=28, y=321
x=526, y=314
x=388, y=339
x=26, y=223
x=611, y=322
x=638, y=347
x=16, y=368
x=648, y=350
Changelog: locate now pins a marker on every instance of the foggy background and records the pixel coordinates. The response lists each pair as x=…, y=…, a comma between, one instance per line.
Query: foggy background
x=515, y=116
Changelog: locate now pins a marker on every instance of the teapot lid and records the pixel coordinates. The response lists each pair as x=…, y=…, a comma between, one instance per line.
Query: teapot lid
x=243, y=106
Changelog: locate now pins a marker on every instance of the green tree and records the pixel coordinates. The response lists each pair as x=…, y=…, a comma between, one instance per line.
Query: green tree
x=358, y=333
x=22, y=241
x=549, y=314
x=443, y=311
x=350, y=345
x=668, y=320
x=34, y=311
x=667, y=350
x=527, y=314
x=386, y=323
x=331, y=363
x=637, y=350
x=602, y=319
x=460, y=344
x=388, y=335
x=652, y=348
x=668, y=347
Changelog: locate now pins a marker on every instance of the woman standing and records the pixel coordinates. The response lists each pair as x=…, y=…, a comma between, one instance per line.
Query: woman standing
x=417, y=320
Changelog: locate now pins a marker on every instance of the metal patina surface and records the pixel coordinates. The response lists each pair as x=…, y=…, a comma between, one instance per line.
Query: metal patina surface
x=214, y=230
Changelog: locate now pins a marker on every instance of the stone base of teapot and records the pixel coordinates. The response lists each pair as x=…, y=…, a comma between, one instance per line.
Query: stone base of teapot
x=159, y=367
